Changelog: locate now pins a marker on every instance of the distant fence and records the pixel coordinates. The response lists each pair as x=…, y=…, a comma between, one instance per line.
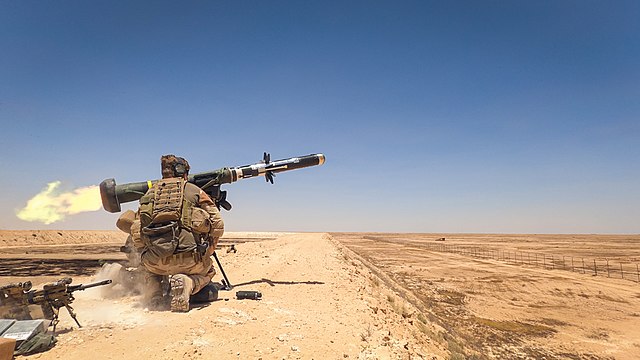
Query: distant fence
x=611, y=268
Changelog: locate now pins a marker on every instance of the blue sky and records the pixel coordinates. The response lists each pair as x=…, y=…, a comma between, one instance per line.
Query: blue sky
x=451, y=116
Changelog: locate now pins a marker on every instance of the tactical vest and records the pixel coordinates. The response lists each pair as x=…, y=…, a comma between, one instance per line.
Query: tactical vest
x=164, y=203
x=165, y=219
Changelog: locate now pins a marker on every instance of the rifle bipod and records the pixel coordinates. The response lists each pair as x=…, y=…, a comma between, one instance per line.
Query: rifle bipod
x=225, y=281
x=56, y=319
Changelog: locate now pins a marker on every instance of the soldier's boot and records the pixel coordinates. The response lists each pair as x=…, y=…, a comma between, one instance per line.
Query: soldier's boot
x=153, y=292
x=181, y=287
x=157, y=303
x=208, y=293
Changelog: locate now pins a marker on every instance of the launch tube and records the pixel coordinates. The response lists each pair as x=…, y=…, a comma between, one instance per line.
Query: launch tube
x=113, y=195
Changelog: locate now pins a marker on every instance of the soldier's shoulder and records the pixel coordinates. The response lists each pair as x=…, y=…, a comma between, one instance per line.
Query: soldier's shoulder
x=191, y=185
x=191, y=190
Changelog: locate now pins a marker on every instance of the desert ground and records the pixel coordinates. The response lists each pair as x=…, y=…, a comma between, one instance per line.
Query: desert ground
x=357, y=296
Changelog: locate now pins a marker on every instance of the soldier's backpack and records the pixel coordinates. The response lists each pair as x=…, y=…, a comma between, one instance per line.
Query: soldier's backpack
x=170, y=222
x=167, y=201
x=160, y=217
x=37, y=343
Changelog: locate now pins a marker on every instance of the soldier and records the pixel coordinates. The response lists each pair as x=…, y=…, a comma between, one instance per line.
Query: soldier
x=179, y=227
x=126, y=223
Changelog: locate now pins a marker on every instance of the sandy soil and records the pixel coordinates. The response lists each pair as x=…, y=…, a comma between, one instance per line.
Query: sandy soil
x=356, y=295
x=319, y=302
x=507, y=308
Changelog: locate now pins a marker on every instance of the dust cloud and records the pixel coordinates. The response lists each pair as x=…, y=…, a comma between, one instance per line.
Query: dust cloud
x=116, y=304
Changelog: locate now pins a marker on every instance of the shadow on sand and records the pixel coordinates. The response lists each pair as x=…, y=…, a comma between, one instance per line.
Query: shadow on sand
x=274, y=283
x=49, y=267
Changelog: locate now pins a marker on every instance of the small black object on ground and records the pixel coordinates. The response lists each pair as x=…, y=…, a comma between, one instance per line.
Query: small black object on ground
x=251, y=295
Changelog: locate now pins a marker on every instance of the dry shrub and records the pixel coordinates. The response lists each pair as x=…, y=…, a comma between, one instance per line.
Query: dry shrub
x=516, y=327
x=421, y=318
x=366, y=334
x=437, y=336
x=452, y=297
x=599, y=334
x=609, y=298
x=456, y=350
x=553, y=322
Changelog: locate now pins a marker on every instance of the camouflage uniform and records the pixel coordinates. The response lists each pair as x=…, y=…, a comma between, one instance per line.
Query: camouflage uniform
x=200, y=223
x=13, y=301
x=186, y=261
x=125, y=223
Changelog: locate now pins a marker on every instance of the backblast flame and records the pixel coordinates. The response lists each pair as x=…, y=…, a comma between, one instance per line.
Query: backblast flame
x=52, y=205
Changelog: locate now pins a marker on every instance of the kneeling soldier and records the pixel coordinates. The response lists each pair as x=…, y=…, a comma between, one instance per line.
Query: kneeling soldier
x=179, y=228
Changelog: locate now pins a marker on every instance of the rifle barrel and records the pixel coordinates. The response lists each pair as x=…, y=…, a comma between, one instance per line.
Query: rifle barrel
x=90, y=285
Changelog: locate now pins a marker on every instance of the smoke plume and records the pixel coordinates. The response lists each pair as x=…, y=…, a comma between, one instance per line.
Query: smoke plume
x=52, y=204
